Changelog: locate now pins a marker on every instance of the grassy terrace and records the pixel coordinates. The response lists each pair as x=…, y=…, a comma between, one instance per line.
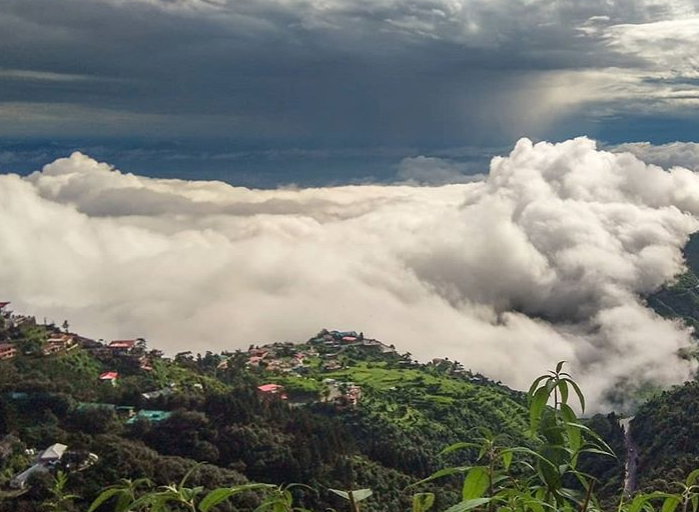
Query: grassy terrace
x=417, y=398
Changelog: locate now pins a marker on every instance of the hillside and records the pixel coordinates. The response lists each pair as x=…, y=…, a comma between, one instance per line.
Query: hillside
x=336, y=411
x=681, y=300
x=665, y=427
x=665, y=431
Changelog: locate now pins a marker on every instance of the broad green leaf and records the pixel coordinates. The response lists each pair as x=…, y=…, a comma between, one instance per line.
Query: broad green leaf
x=581, y=397
x=148, y=499
x=342, y=494
x=692, y=477
x=568, y=414
x=459, y=446
x=361, y=494
x=358, y=495
x=104, y=496
x=506, y=459
x=475, y=484
x=670, y=504
x=601, y=444
x=440, y=474
x=563, y=388
x=536, y=408
x=214, y=498
x=124, y=502
x=529, y=451
x=423, y=501
x=598, y=452
x=535, y=384
x=222, y=494
x=467, y=505
x=638, y=503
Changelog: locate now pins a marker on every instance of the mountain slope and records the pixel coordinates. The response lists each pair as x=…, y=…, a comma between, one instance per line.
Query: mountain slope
x=681, y=300
x=162, y=415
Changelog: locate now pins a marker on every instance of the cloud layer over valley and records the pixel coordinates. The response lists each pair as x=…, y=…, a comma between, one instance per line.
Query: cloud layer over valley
x=545, y=259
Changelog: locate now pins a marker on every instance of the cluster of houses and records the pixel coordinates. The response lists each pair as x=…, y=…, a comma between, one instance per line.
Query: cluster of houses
x=340, y=394
x=280, y=357
x=63, y=342
x=131, y=351
x=342, y=339
x=51, y=459
x=59, y=342
x=323, y=351
x=287, y=357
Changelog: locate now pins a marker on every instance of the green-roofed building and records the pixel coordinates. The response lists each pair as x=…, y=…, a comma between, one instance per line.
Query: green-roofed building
x=152, y=416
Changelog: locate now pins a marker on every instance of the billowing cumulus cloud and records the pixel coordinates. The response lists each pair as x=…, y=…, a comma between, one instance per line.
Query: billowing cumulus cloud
x=680, y=154
x=544, y=260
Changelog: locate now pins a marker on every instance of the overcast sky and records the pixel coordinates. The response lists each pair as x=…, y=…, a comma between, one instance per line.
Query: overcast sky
x=263, y=92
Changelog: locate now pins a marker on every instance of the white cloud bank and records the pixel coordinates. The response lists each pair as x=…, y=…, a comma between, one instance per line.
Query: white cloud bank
x=544, y=260
x=680, y=154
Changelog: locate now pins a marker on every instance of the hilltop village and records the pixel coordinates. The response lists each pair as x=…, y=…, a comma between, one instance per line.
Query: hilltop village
x=54, y=376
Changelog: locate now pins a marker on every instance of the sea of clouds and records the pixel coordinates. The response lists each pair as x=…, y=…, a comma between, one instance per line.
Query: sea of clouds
x=546, y=258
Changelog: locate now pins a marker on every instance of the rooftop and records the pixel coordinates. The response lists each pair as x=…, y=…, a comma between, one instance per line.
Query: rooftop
x=122, y=343
x=270, y=388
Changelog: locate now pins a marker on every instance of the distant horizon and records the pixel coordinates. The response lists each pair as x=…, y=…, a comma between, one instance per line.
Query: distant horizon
x=270, y=169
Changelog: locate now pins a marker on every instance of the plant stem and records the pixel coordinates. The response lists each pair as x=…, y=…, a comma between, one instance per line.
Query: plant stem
x=588, y=494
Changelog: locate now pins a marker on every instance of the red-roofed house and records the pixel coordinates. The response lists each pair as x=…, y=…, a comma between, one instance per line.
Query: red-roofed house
x=7, y=351
x=272, y=391
x=110, y=377
x=122, y=346
x=4, y=304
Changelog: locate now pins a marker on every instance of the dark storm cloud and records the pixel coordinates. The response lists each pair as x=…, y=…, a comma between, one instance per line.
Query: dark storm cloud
x=332, y=72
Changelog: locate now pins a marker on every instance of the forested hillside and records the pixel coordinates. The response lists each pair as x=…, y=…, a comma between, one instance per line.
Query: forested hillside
x=681, y=300
x=665, y=428
x=337, y=411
